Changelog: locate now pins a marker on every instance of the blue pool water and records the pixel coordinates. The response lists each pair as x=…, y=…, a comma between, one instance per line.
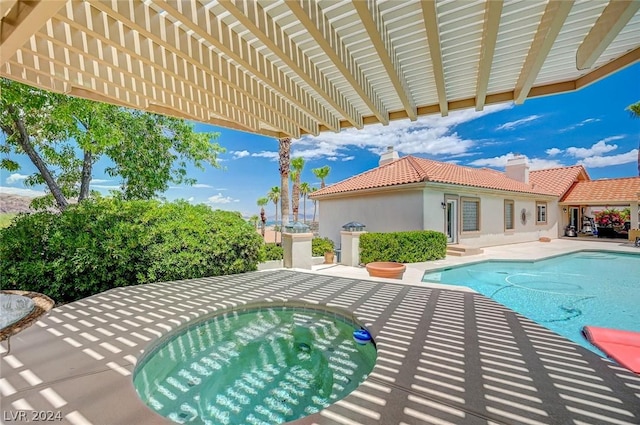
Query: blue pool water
x=267, y=365
x=565, y=293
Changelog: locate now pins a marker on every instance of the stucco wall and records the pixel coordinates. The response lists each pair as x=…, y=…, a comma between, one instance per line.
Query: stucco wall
x=388, y=212
x=403, y=210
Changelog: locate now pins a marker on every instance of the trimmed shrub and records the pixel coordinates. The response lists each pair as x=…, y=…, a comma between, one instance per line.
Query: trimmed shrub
x=273, y=252
x=321, y=245
x=106, y=243
x=403, y=247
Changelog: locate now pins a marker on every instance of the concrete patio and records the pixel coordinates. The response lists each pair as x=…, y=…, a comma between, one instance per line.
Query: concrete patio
x=445, y=356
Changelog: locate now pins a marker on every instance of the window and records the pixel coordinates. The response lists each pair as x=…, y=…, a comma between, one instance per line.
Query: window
x=470, y=215
x=509, y=213
x=541, y=212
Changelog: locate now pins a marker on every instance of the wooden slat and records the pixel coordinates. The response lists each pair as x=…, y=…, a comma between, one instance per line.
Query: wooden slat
x=614, y=17
x=430, y=16
x=554, y=16
x=492, y=13
x=376, y=29
x=217, y=33
x=21, y=21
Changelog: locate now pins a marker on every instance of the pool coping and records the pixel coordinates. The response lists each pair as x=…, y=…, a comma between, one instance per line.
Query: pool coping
x=444, y=356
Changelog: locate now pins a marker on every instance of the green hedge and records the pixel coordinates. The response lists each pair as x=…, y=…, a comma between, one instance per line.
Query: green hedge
x=403, y=247
x=273, y=251
x=321, y=245
x=106, y=243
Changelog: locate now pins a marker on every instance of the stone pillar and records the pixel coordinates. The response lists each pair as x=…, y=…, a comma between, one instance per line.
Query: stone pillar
x=297, y=250
x=350, y=248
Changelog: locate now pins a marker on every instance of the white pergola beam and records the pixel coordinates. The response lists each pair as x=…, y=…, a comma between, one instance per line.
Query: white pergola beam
x=614, y=17
x=430, y=16
x=376, y=29
x=553, y=18
x=492, y=13
x=20, y=20
x=254, y=18
x=318, y=26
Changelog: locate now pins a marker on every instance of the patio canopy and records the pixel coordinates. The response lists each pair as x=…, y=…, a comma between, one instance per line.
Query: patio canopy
x=285, y=69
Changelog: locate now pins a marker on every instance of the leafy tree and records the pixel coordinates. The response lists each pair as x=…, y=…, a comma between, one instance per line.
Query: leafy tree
x=305, y=188
x=64, y=137
x=321, y=173
x=297, y=164
x=274, y=195
x=635, y=112
x=284, y=151
x=263, y=217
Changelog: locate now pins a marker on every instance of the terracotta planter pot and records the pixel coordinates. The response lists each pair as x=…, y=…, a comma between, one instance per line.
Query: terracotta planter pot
x=328, y=257
x=386, y=269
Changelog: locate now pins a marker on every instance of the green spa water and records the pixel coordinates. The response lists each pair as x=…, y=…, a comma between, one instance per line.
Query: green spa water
x=259, y=366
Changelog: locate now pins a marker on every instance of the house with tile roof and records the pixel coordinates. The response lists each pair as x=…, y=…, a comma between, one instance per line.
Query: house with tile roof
x=475, y=207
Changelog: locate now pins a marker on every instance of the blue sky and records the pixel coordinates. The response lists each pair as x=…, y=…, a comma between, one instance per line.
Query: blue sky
x=589, y=127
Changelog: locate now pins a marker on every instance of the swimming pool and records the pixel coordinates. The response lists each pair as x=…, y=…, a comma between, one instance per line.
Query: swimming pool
x=564, y=293
x=261, y=365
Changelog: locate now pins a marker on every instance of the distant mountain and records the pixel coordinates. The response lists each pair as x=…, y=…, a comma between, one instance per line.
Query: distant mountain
x=10, y=203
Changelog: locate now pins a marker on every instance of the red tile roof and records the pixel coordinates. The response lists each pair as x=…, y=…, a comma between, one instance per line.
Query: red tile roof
x=603, y=192
x=410, y=169
x=558, y=180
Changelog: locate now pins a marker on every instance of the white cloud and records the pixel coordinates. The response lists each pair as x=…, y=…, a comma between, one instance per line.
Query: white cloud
x=202, y=186
x=105, y=186
x=553, y=151
x=431, y=135
x=606, y=161
x=240, y=154
x=580, y=124
x=501, y=162
x=513, y=124
x=266, y=154
x=100, y=181
x=191, y=199
x=22, y=192
x=220, y=199
x=15, y=178
x=595, y=149
x=348, y=158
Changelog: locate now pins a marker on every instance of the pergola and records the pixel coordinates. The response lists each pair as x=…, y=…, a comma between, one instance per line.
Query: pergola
x=289, y=68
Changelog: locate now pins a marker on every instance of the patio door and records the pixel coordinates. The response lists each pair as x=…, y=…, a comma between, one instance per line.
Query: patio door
x=573, y=218
x=451, y=220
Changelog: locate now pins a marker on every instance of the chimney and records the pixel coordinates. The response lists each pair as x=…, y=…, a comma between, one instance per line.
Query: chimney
x=389, y=156
x=518, y=169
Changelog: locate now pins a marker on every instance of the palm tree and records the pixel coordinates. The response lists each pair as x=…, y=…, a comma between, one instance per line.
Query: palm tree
x=297, y=164
x=274, y=195
x=635, y=112
x=263, y=217
x=284, y=151
x=305, y=188
x=314, y=204
x=322, y=174
x=254, y=219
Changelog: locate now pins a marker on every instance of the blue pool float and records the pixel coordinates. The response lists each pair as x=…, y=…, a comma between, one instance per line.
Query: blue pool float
x=361, y=336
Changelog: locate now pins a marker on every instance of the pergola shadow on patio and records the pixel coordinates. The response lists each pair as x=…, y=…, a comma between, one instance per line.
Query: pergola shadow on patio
x=444, y=356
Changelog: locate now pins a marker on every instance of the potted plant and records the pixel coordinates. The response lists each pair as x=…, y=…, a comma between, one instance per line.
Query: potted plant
x=323, y=247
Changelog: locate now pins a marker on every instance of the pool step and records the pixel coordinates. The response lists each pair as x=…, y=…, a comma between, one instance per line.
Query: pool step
x=462, y=251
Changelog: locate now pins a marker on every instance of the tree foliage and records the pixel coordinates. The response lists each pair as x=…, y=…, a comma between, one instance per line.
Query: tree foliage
x=105, y=243
x=321, y=173
x=64, y=137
